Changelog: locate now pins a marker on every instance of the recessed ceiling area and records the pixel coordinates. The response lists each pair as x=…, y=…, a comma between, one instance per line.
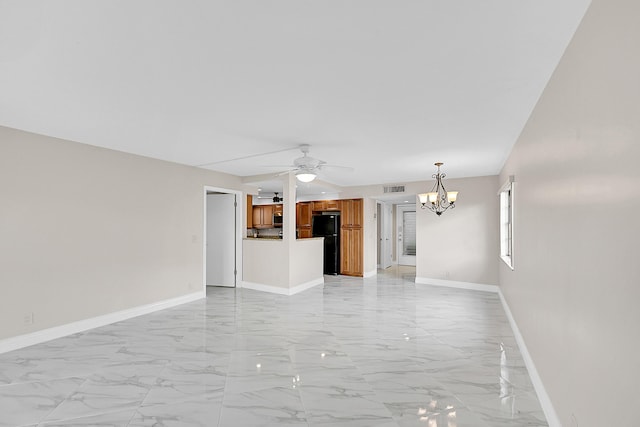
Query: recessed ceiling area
x=316, y=189
x=384, y=87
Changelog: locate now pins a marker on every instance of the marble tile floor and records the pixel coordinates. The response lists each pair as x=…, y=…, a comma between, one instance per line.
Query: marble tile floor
x=376, y=352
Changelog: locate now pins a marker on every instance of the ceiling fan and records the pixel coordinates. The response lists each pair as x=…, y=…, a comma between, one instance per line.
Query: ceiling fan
x=275, y=199
x=307, y=167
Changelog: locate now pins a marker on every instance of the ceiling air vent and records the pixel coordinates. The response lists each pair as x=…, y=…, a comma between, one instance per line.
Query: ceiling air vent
x=394, y=189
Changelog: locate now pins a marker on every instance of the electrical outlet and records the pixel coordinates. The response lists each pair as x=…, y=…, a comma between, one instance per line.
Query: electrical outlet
x=28, y=319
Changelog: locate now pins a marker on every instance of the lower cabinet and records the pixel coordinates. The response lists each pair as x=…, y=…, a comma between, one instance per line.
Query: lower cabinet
x=304, y=233
x=351, y=243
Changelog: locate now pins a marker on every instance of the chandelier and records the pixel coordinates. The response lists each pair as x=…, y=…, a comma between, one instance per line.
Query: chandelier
x=438, y=200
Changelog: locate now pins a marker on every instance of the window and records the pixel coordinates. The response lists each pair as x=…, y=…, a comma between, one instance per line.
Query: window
x=506, y=222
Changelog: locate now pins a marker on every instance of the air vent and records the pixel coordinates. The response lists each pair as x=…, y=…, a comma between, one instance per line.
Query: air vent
x=394, y=189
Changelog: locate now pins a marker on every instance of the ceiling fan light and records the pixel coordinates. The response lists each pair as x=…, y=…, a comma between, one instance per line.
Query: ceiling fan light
x=305, y=176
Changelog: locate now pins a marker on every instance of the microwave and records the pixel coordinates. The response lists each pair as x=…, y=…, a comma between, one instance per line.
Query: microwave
x=277, y=219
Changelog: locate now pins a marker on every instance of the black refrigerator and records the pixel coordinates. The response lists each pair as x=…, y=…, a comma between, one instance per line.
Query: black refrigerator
x=328, y=226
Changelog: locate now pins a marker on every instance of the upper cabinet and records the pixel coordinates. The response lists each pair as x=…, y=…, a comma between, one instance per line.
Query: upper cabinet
x=351, y=213
x=249, y=211
x=263, y=216
x=325, y=205
x=303, y=214
x=303, y=220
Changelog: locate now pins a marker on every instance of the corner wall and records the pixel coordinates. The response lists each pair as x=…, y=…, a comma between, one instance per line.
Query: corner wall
x=462, y=244
x=86, y=231
x=575, y=289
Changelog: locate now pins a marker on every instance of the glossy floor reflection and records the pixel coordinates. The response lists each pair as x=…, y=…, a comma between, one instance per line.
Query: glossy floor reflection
x=378, y=352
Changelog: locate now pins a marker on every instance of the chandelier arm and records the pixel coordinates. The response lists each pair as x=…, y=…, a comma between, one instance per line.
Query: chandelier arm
x=438, y=199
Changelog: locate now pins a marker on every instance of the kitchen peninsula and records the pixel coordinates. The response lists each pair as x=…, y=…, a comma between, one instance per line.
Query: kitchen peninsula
x=284, y=266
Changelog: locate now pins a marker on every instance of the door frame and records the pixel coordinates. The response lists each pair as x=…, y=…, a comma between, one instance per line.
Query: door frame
x=240, y=208
x=400, y=208
x=385, y=227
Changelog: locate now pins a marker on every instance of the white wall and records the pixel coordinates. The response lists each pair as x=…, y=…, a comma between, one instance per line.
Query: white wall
x=306, y=261
x=266, y=262
x=86, y=231
x=370, y=248
x=461, y=244
x=576, y=285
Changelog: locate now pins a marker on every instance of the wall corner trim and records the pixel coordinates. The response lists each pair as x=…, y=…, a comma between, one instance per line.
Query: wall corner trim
x=545, y=401
x=26, y=340
x=370, y=273
x=282, y=291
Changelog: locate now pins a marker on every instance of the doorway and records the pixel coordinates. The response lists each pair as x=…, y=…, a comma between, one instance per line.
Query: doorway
x=385, y=251
x=406, y=226
x=221, y=245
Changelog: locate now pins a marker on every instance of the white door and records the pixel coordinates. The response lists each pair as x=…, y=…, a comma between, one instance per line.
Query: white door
x=386, y=236
x=406, y=218
x=221, y=241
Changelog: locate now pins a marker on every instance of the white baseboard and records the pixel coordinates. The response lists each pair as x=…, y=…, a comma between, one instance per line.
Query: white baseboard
x=282, y=291
x=456, y=284
x=370, y=273
x=49, y=334
x=543, y=396
x=545, y=401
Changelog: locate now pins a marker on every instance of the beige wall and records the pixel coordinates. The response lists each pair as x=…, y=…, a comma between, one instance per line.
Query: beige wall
x=462, y=244
x=306, y=264
x=266, y=262
x=86, y=231
x=576, y=285
x=370, y=230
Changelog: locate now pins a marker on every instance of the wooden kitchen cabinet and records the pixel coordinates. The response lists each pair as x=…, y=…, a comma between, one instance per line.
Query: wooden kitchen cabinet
x=277, y=208
x=351, y=248
x=263, y=216
x=303, y=220
x=351, y=213
x=351, y=237
x=319, y=205
x=249, y=211
x=303, y=214
x=333, y=205
x=325, y=205
x=305, y=233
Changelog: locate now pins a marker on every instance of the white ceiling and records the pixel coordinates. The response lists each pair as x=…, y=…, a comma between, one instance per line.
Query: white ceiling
x=386, y=87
